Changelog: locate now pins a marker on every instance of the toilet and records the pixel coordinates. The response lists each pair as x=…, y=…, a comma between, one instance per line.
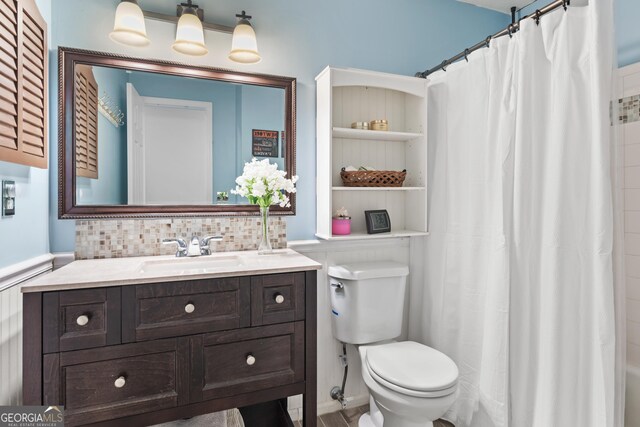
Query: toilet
x=410, y=384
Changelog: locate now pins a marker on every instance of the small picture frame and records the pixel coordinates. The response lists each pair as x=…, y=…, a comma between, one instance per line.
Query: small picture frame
x=377, y=221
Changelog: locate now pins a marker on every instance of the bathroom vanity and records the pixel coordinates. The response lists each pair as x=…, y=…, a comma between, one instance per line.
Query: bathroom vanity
x=140, y=341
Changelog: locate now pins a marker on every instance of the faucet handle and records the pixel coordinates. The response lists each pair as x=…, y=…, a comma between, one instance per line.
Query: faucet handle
x=207, y=239
x=182, y=246
x=204, y=244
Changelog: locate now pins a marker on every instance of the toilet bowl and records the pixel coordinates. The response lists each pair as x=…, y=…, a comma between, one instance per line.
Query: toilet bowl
x=410, y=384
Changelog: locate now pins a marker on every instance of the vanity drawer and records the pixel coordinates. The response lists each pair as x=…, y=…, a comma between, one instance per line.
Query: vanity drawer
x=73, y=320
x=277, y=298
x=230, y=363
x=113, y=382
x=185, y=308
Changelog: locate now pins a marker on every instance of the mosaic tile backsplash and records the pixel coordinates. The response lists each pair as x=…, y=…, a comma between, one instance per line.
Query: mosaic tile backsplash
x=629, y=109
x=143, y=237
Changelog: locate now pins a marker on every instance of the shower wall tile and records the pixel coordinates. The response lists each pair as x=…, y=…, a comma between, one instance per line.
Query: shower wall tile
x=633, y=354
x=632, y=222
x=633, y=332
x=633, y=288
x=632, y=243
x=629, y=109
x=632, y=155
x=143, y=237
x=631, y=199
x=632, y=177
x=633, y=266
x=633, y=311
x=631, y=133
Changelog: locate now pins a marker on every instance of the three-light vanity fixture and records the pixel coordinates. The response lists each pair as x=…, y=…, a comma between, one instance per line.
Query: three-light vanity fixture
x=129, y=29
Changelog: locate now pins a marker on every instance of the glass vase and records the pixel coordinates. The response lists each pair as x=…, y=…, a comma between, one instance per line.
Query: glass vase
x=265, y=243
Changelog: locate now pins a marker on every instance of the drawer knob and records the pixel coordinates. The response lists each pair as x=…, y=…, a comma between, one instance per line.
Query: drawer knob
x=120, y=382
x=251, y=360
x=279, y=299
x=82, y=320
x=189, y=308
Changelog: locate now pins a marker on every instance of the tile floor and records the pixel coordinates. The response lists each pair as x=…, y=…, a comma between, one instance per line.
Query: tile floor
x=346, y=418
x=349, y=418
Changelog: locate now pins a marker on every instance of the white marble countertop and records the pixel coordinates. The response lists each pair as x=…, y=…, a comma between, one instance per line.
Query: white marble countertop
x=153, y=269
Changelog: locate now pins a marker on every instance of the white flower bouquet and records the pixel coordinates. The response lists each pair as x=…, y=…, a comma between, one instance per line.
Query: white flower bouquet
x=263, y=184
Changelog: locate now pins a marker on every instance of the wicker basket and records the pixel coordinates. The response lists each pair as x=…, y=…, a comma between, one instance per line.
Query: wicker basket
x=373, y=178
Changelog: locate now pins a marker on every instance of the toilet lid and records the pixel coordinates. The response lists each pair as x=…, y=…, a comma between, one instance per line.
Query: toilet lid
x=412, y=366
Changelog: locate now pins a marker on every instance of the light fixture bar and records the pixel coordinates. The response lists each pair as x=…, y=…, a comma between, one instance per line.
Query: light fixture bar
x=174, y=20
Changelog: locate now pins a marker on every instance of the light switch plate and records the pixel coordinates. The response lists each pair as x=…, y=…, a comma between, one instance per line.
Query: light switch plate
x=8, y=198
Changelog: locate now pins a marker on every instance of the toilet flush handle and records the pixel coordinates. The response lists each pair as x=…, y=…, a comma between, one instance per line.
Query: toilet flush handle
x=337, y=285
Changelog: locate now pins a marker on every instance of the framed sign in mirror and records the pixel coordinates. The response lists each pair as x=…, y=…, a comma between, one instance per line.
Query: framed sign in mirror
x=150, y=138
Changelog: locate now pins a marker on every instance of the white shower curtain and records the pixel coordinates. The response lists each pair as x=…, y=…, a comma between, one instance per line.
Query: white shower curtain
x=520, y=285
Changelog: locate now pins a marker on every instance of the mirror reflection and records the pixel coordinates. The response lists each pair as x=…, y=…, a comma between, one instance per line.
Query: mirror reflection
x=154, y=139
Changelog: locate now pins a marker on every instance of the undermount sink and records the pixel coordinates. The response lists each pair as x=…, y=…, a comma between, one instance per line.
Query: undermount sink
x=203, y=264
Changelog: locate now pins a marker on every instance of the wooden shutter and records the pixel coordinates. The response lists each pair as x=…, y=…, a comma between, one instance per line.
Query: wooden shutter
x=8, y=76
x=86, y=122
x=23, y=84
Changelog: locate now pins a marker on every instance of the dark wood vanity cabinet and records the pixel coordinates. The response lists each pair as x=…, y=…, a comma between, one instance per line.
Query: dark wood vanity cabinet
x=145, y=354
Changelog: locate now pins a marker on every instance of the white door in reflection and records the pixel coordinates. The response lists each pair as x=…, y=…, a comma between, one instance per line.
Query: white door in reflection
x=169, y=150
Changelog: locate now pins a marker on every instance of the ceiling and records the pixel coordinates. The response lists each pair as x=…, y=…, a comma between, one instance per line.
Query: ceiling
x=500, y=5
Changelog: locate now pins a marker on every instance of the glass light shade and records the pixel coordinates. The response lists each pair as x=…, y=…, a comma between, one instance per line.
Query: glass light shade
x=129, y=27
x=190, y=36
x=244, y=46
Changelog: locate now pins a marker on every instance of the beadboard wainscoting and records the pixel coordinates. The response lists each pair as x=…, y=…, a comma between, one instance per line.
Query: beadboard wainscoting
x=11, y=324
x=330, y=369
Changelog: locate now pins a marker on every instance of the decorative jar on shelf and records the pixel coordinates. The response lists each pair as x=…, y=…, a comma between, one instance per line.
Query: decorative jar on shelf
x=341, y=223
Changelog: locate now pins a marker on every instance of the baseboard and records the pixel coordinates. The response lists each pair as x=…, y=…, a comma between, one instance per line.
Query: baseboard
x=334, y=405
x=17, y=273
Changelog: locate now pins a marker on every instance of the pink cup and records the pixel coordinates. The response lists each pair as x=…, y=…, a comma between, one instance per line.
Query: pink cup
x=341, y=226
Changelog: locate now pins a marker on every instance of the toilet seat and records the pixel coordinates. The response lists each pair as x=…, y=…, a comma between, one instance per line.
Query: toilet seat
x=412, y=369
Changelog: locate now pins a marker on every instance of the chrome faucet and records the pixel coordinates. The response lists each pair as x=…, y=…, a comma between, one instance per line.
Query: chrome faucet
x=182, y=246
x=205, y=249
x=196, y=246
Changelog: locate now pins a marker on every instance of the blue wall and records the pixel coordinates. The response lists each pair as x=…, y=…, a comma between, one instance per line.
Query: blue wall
x=111, y=186
x=26, y=235
x=260, y=111
x=223, y=98
x=628, y=31
x=296, y=39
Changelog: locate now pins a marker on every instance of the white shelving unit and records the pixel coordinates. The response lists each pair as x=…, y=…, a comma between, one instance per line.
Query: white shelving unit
x=348, y=95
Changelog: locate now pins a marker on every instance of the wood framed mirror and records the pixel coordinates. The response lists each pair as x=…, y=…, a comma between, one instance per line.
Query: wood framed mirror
x=151, y=138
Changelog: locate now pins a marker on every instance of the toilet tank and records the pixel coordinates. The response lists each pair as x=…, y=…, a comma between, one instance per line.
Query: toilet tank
x=367, y=301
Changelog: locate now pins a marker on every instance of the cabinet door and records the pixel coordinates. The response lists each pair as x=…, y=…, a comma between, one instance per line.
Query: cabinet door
x=23, y=84
x=246, y=360
x=277, y=298
x=112, y=382
x=185, y=308
x=85, y=318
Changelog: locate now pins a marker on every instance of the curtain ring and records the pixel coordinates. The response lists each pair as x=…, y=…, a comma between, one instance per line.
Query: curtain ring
x=487, y=41
x=510, y=29
x=538, y=14
x=444, y=65
x=566, y=3
x=466, y=54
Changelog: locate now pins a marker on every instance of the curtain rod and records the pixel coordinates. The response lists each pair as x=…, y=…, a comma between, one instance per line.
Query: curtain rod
x=510, y=30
